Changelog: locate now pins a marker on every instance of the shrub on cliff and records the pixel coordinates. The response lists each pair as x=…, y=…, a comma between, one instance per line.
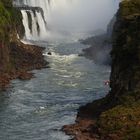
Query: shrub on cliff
x=4, y=21
x=10, y=20
x=129, y=7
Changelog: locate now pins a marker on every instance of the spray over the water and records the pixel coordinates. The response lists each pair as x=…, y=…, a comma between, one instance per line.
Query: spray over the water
x=65, y=18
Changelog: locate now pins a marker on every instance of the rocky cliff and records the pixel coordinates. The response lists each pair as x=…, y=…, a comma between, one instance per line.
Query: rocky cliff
x=117, y=116
x=16, y=58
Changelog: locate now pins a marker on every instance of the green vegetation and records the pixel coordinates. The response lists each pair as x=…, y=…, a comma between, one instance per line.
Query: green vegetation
x=129, y=8
x=10, y=25
x=4, y=20
x=120, y=118
x=10, y=20
x=122, y=121
x=125, y=75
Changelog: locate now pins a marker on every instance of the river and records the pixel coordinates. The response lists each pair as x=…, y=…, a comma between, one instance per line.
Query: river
x=38, y=108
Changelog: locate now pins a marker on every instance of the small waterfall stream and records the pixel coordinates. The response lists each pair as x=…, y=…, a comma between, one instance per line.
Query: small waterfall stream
x=34, y=13
x=25, y=23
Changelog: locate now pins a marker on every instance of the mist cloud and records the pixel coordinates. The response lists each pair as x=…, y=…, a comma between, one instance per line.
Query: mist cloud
x=81, y=15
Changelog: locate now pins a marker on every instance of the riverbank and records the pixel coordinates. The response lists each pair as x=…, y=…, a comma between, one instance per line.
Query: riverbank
x=86, y=124
x=117, y=116
x=24, y=58
x=98, y=121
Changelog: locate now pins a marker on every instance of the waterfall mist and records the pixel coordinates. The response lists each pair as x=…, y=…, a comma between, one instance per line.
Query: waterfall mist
x=79, y=18
x=71, y=18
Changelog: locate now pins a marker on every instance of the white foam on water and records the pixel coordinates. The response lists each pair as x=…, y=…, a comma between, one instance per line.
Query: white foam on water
x=70, y=19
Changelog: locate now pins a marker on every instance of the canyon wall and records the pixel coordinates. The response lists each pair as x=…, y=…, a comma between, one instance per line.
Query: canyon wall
x=117, y=116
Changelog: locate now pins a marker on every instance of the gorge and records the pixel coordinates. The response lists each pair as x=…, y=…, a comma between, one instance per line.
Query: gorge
x=38, y=108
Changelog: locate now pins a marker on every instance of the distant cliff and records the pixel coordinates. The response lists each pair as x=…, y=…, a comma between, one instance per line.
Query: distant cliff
x=100, y=45
x=15, y=57
x=117, y=116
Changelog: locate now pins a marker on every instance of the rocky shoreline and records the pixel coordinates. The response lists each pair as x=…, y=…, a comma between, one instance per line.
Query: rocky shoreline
x=85, y=127
x=25, y=58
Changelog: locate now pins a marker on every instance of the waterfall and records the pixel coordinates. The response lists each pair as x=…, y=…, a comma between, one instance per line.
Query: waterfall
x=41, y=24
x=26, y=25
x=34, y=24
x=48, y=18
x=35, y=32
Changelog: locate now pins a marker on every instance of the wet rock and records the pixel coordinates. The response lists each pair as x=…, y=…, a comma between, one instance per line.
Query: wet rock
x=25, y=76
x=49, y=53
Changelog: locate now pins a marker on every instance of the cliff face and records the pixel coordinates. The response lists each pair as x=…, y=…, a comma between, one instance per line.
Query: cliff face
x=10, y=24
x=16, y=58
x=125, y=75
x=117, y=116
x=4, y=26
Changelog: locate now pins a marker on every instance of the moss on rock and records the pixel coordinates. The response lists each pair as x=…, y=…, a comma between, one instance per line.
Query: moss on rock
x=117, y=116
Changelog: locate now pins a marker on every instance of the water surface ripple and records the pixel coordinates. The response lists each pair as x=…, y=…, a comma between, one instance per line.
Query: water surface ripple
x=38, y=108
